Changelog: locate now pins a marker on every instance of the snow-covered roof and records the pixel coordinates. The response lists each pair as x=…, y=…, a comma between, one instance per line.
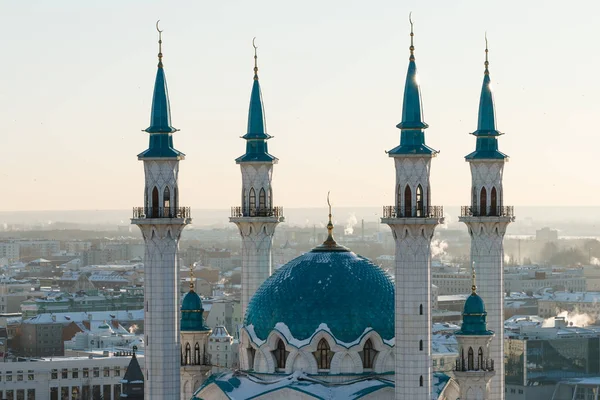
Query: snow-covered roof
x=121, y=316
x=568, y=297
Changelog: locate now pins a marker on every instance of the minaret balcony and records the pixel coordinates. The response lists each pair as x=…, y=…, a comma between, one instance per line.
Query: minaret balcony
x=162, y=212
x=474, y=364
x=413, y=212
x=470, y=211
x=241, y=212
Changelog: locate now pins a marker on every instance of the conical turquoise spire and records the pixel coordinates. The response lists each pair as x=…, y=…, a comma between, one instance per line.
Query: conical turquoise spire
x=486, y=133
x=160, y=129
x=256, y=137
x=412, y=137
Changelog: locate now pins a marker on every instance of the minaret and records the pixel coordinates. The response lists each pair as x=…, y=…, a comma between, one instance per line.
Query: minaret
x=487, y=219
x=256, y=218
x=161, y=221
x=474, y=367
x=413, y=220
x=195, y=367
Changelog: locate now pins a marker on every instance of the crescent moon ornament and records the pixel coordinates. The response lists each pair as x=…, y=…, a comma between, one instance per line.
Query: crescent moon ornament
x=157, y=28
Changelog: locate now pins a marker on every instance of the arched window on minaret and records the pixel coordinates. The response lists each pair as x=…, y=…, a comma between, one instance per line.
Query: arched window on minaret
x=407, y=202
x=262, y=200
x=483, y=202
x=493, y=202
x=154, y=205
x=420, y=210
x=421, y=380
x=252, y=205
x=462, y=359
x=188, y=354
x=166, y=202
x=420, y=345
x=480, y=359
x=470, y=360
x=420, y=309
x=280, y=355
x=368, y=355
x=323, y=355
x=197, y=358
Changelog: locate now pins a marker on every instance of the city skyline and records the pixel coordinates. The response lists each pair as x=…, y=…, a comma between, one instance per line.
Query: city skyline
x=78, y=86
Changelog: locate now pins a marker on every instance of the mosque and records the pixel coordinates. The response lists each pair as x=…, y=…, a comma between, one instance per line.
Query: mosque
x=330, y=324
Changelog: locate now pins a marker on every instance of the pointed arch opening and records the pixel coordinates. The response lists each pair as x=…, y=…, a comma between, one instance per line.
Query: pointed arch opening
x=483, y=202
x=251, y=352
x=470, y=360
x=167, y=202
x=280, y=355
x=154, y=206
x=420, y=345
x=421, y=380
x=493, y=202
x=480, y=358
x=407, y=202
x=197, y=356
x=368, y=354
x=188, y=354
x=252, y=202
x=262, y=200
x=420, y=204
x=420, y=309
x=323, y=355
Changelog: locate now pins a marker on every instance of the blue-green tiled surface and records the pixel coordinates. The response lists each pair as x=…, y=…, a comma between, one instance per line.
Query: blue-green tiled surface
x=341, y=289
x=474, y=317
x=256, y=137
x=192, y=313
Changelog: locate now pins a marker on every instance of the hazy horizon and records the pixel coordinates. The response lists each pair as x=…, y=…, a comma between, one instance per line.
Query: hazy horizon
x=78, y=79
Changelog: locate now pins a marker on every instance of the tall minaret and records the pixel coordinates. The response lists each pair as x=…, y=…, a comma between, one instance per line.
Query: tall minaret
x=257, y=218
x=474, y=367
x=161, y=221
x=487, y=219
x=413, y=220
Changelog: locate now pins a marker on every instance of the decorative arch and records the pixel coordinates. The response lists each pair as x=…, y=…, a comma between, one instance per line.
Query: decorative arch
x=166, y=204
x=420, y=199
x=494, y=202
x=252, y=201
x=480, y=358
x=262, y=200
x=197, y=356
x=407, y=202
x=470, y=360
x=323, y=355
x=188, y=354
x=368, y=355
x=483, y=202
x=281, y=355
x=154, y=205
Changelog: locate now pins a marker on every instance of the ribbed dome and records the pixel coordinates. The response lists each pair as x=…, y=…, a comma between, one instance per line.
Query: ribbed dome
x=474, y=305
x=474, y=317
x=333, y=286
x=192, y=312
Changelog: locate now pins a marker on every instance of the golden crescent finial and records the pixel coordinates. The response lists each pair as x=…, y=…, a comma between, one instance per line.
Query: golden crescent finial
x=486, y=55
x=255, y=59
x=329, y=203
x=157, y=28
x=192, y=276
x=412, y=34
x=160, y=64
x=474, y=285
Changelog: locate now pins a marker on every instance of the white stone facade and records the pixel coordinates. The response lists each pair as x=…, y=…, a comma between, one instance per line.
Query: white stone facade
x=487, y=225
x=161, y=228
x=194, y=361
x=474, y=379
x=413, y=230
x=257, y=226
x=222, y=350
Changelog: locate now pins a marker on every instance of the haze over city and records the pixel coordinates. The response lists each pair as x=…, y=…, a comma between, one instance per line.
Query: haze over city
x=78, y=81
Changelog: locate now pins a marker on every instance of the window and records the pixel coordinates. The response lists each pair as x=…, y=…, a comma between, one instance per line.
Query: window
x=54, y=374
x=167, y=201
x=188, y=354
x=420, y=211
x=117, y=371
x=106, y=371
x=197, y=358
x=96, y=372
x=20, y=376
x=75, y=373
x=86, y=372
x=421, y=380
x=154, y=205
x=30, y=394
x=323, y=355
x=368, y=354
x=480, y=359
x=493, y=202
x=407, y=202
x=483, y=202
x=64, y=373
x=470, y=360
x=420, y=345
x=30, y=375
x=280, y=354
x=421, y=309
x=252, y=205
x=262, y=199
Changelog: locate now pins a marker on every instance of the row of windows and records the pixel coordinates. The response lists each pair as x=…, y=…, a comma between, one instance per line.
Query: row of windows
x=186, y=356
x=74, y=373
x=19, y=394
x=95, y=392
x=262, y=199
x=155, y=205
x=19, y=376
x=406, y=195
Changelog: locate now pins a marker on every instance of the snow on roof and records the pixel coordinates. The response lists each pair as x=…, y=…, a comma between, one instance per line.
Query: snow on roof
x=568, y=297
x=77, y=317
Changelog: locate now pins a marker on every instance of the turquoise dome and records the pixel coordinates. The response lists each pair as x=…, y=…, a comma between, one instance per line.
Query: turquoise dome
x=329, y=285
x=192, y=313
x=474, y=317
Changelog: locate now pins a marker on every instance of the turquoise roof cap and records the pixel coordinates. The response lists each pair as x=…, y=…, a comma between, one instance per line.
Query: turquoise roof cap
x=486, y=133
x=160, y=129
x=256, y=136
x=329, y=285
x=192, y=313
x=474, y=314
x=412, y=137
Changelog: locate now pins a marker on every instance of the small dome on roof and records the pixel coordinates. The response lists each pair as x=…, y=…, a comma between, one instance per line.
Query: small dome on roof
x=192, y=313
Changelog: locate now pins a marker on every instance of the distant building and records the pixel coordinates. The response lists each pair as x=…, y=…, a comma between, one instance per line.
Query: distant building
x=546, y=235
x=223, y=350
x=580, y=302
x=10, y=250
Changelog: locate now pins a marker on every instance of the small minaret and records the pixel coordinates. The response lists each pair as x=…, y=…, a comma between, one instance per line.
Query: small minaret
x=474, y=366
x=487, y=219
x=257, y=217
x=195, y=367
x=412, y=220
x=133, y=381
x=161, y=221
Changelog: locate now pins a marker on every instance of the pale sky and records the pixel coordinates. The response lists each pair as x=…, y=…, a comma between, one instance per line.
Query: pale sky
x=77, y=81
